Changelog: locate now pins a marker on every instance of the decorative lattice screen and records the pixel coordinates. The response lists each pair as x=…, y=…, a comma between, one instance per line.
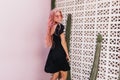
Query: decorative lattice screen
x=90, y=17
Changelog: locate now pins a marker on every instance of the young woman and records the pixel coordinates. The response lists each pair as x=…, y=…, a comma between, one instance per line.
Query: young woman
x=58, y=57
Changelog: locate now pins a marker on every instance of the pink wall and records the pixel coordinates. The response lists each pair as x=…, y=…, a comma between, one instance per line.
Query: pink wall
x=22, y=30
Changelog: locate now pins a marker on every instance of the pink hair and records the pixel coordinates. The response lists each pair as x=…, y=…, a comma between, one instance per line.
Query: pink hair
x=51, y=23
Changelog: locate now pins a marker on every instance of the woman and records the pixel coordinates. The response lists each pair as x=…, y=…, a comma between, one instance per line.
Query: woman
x=58, y=58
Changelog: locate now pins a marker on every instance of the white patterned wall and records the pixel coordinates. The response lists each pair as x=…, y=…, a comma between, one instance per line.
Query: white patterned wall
x=90, y=17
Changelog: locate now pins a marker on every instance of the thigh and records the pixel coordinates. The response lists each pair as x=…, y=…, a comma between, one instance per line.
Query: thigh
x=63, y=75
x=55, y=76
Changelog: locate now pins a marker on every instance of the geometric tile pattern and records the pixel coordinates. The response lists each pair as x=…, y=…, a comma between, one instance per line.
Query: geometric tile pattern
x=90, y=17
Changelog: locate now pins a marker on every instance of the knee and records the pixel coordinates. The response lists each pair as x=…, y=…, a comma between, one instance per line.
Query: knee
x=64, y=76
x=54, y=77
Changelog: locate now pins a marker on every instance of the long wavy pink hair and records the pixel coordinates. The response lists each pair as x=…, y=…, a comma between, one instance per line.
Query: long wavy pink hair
x=51, y=23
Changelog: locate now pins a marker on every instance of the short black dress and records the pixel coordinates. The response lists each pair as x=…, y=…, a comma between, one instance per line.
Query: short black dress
x=56, y=60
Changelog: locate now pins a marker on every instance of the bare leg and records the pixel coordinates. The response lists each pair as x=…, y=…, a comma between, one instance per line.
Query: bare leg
x=55, y=76
x=59, y=76
x=63, y=75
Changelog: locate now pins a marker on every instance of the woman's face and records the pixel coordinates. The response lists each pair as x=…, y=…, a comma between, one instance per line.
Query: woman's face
x=58, y=17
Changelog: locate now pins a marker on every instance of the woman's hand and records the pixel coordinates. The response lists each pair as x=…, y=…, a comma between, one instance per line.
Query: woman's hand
x=68, y=58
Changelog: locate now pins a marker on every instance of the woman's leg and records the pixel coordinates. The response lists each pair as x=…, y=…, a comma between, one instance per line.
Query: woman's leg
x=55, y=76
x=63, y=75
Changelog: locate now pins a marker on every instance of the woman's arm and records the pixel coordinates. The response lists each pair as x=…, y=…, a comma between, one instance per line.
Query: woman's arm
x=64, y=44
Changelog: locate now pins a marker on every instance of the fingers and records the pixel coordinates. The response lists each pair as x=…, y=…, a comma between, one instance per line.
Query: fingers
x=68, y=58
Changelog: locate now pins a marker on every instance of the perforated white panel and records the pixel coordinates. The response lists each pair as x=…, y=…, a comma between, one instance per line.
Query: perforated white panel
x=90, y=17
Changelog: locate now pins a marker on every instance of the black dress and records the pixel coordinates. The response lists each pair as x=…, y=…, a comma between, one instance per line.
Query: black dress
x=56, y=60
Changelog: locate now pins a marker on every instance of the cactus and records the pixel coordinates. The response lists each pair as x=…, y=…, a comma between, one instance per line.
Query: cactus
x=68, y=32
x=53, y=4
x=94, y=71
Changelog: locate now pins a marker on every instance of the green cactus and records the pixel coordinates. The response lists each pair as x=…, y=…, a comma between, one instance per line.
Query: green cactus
x=68, y=33
x=53, y=4
x=94, y=71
